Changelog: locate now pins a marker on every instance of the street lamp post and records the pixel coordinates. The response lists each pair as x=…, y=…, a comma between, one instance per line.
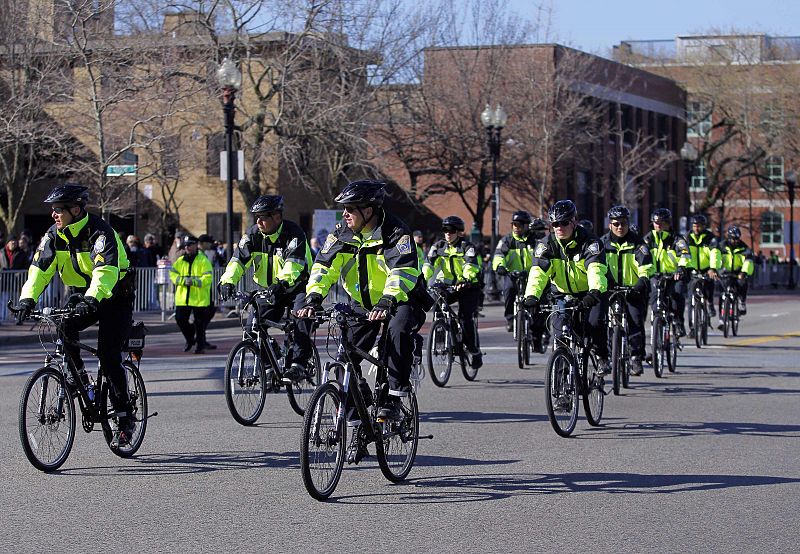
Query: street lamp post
x=689, y=157
x=230, y=78
x=791, y=181
x=494, y=121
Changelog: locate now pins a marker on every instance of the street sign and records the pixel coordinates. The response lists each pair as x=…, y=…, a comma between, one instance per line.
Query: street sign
x=223, y=166
x=120, y=170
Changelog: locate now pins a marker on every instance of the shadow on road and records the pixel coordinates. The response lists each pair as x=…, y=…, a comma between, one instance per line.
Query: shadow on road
x=483, y=487
x=480, y=417
x=668, y=429
x=704, y=390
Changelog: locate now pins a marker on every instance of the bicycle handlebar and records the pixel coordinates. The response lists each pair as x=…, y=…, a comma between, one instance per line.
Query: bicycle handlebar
x=44, y=313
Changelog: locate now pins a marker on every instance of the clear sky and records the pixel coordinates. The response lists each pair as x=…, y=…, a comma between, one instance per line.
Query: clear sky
x=596, y=25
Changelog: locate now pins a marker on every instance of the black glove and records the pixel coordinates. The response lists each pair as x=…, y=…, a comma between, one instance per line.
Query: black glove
x=314, y=301
x=73, y=300
x=680, y=273
x=591, y=299
x=226, y=290
x=641, y=286
x=385, y=304
x=276, y=291
x=501, y=270
x=530, y=302
x=87, y=306
x=25, y=307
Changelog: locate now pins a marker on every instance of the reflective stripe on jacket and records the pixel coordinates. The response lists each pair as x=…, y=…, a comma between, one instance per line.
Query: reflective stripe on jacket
x=737, y=258
x=514, y=253
x=669, y=251
x=704, y=251
x=627, y=258
x=575, y=266
x=199, y=269
x=451, y=263
x=88, y=255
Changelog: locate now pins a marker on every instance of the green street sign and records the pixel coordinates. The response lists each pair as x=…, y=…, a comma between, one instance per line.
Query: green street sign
x=120, y=170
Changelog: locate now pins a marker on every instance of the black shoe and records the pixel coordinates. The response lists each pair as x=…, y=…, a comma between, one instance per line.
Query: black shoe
x=476, y=360
x=680, y=329
x=391, y=410
x=124, y=433
x=742, y=307
x=603, y=367
x=357, y=450
x=691, y=333
x=509, y=325
x=209, y=346
x=294, y=372
x=188, y=345
x=712, y=312
x=199, y=350
x=636, y=366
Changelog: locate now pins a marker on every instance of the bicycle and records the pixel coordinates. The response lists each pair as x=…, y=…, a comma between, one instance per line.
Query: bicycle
x=445, y=340
x=620, y=347
x=699, y=319
x=664, y=332
x=256, y=364
x=572, y=372
x=524, y=324
x=729, y=305
x=342, y=388
x=47, y=419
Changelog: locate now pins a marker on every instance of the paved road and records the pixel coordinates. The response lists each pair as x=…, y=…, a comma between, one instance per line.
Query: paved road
x=703, y=460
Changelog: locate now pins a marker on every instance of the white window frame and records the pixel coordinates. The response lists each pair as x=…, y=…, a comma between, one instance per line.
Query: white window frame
x=698, y=127
x=775, y=173
x=699, y=180
x=772, y=234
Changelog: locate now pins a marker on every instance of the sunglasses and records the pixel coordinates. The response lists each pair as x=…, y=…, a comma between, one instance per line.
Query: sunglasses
x=449, y=230
x=561, y=223
x=60, y=209
x=619, y=223
x=352, y=209
x=265, y=215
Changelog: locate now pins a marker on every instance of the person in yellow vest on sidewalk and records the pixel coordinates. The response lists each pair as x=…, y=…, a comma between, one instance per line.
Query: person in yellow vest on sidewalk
x=192, y=275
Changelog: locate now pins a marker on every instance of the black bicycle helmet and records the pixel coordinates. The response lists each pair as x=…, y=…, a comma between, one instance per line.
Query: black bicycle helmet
x=619, y=212
x=563, y=210
x=700, y=219
x=521, y=216
x=365, y=193
x=538, y=224
x=453, y=221
x=267, y=203
x=661, y=214
x=733, y=232
x=188, y=239
x=586, y=224
x=71, y=193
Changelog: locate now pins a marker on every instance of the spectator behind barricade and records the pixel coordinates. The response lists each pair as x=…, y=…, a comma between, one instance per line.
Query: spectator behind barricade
x=25, y=244
x=220, y=246
x=419, y=238
x=313, y=244
x=12, y=257
x=176, y=250
x=208, y=248
x=134, y=249
x=150, y=252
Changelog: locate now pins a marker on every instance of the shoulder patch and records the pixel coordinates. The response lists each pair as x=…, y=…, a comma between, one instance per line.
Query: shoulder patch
x=594, y=248
x=100, y=243
x=244, y=240
x=540, y=249
x=43, y=242
x=329, y=242
x=680, y=244
x=644, y=250
x=292, y=245
x=432, y=253
x=470, y=252
x=404, y=244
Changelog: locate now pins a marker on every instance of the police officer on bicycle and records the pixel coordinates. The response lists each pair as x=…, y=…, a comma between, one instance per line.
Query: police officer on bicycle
x=706, y=259
x=574, y=261
x=737, y=260
x=514, y=253
x=281, y=256
x=91, y=260
x=376, y=260
x=671, y=257
x=455, y=261
x=629, y=265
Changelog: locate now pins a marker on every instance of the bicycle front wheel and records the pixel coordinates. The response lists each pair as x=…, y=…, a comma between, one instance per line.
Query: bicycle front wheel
x=659, y=360
x=299, y=392
x=398, y=449
x=726, y=316
x=699, y=323
x=522, y=339
x=245, y=383
x=626, y=363
x=672, y=352
x=440, y=353
x=593, y=393
x=46, y=419
x=322, y=449
x=735, y=317
x=137, y=396
x=561, y=392
x=616, y=359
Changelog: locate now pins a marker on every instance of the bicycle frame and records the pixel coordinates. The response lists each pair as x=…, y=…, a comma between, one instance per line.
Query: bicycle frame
x=443, y=310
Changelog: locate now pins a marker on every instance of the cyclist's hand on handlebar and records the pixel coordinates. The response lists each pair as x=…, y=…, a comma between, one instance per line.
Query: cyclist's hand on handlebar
x=501, y=270
x=24, y=308
x=641, y=286
x=742, y=276
x=679, y=273
x=461, y=285
x=87, y=306
x=591, y=299
x=226, y=290
x=713, y=274
x=530, y=302
x=383, y=309
x=312, y=307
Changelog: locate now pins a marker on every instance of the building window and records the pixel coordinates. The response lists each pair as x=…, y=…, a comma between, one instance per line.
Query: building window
x=772, y=120
x=774, y=171
x=771, y=229
x=699, y=177
x=170, y=155
x=698, y=118
x=215, y=143
x=216, y=226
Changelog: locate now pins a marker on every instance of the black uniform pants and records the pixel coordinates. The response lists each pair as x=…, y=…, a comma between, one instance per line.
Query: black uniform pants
x=468, y=299
x=676, y=293
x=301, y=349
x=406, y=321
x=509, y=295
x=594, y=327
x=637, y=311
x=194, y=332
x=114, y=318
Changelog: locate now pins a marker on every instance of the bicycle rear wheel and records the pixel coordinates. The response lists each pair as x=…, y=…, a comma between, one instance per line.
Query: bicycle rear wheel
x=322, y=449
x=440, y=353
x=398, y=449
x=626, y=363
x=735, y=317
x=561, y=391
x=46, y=419
x=616, y=359
x=245, y=383
x=299, y=392
x=522, y=339
x=672, y=351
x=658, y=345
x=137, y=395
x=726, y=316
x=593, y=393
